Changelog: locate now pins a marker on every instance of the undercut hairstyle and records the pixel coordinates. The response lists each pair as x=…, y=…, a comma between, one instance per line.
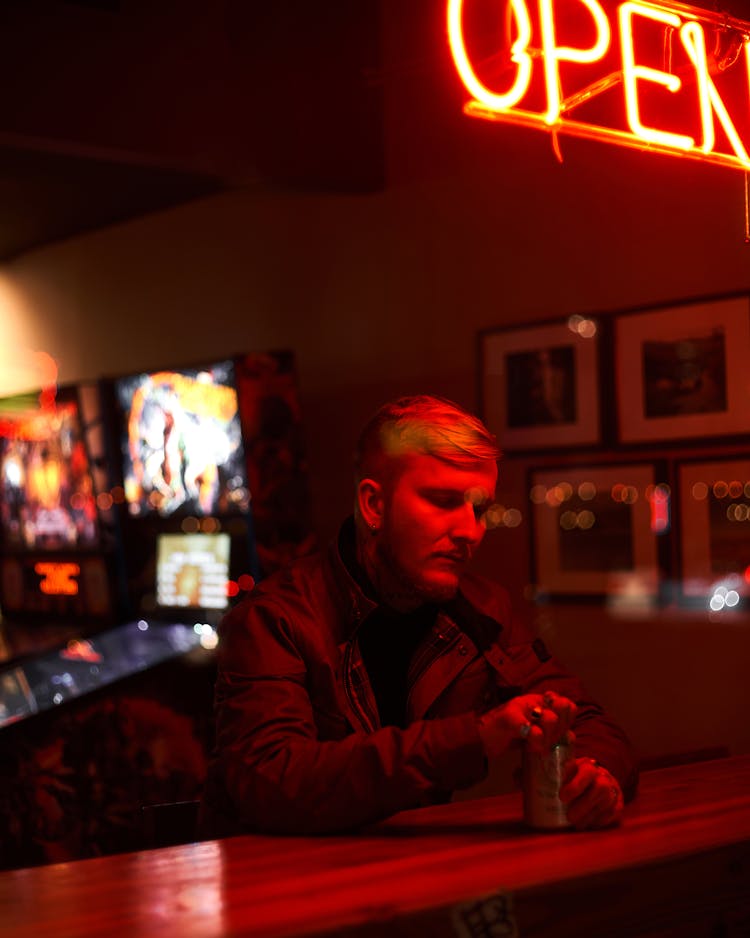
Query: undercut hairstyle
x=422, y=424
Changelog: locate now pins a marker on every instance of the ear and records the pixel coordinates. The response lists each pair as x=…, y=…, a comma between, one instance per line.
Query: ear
x=370, y=502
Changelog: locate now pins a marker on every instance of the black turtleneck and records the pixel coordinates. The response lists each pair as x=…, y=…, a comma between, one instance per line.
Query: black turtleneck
x=388, y=640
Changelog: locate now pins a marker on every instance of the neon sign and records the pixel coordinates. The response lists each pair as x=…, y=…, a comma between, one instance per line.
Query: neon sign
x=659, y=76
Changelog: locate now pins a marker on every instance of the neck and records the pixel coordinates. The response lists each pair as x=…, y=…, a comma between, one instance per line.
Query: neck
x=388, y=589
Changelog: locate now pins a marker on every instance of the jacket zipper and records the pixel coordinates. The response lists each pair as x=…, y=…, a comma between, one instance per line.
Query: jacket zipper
x=356, y=706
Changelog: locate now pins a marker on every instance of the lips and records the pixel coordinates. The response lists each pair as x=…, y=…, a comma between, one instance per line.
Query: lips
x=457, y=557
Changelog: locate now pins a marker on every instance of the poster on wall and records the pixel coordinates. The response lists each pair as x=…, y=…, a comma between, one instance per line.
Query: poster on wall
x=539, y=384
x=681, y=371
x=595, y=531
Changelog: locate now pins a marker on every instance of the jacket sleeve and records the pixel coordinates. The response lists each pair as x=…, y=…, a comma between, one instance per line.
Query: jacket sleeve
x=279, y=776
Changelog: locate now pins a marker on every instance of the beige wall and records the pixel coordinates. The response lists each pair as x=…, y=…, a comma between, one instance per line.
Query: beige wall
x=384, y=293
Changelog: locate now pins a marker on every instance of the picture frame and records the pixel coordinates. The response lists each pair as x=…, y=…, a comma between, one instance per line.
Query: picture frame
x=680, y=370
x=714, y=546
x=595, y=532
x=540, y=384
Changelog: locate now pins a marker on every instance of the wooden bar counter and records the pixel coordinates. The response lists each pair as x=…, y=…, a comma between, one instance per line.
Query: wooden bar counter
x=678, y=865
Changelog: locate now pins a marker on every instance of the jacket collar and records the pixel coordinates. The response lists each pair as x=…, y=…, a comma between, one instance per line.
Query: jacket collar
x=351, y=589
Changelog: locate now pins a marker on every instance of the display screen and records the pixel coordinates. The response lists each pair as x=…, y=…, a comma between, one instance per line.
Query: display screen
x=192, y=571
x=47, y=500
x=181, y=443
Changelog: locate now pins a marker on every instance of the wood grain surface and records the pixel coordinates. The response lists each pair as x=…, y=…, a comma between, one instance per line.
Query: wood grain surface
x=678, y=865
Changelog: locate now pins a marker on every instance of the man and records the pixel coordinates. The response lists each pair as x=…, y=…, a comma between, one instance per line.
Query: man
x=381, y=676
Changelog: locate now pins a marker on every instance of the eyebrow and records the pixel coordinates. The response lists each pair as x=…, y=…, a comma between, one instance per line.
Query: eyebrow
x=459, y=493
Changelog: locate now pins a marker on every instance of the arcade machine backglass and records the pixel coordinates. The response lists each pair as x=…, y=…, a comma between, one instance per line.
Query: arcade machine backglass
x=186, y=521
x=57, y=568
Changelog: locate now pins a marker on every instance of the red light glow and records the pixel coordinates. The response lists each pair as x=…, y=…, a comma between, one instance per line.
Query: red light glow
x=658, y=497
x=77, y=650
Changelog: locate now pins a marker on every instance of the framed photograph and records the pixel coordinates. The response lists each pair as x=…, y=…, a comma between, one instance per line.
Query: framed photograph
x=595, y=531
x=540, y=384
x=681, y=371
x=714, y=499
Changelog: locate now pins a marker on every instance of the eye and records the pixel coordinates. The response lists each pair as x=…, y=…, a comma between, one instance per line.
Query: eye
x=480, y=511
x=479, y=501
x=446, y=500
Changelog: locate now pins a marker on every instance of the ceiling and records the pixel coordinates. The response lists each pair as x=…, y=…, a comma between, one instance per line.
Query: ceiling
x=48, y=196
x=112, y=109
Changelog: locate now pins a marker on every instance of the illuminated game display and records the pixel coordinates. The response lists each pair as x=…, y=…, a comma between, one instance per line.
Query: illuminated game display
x=54, y=565
x=192, y=571
x=182, y=443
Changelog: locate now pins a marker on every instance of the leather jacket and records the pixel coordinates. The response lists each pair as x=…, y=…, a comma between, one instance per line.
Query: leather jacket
x=299, y=745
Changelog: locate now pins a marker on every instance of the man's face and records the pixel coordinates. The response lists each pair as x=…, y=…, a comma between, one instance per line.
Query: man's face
x=431, y=525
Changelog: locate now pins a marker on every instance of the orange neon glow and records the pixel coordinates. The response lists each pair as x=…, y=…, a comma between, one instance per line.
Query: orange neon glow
x=701, y=88
x=631, y=73
x=554, y=54
x=59, y=579
x=518, y=55
x=694, y=40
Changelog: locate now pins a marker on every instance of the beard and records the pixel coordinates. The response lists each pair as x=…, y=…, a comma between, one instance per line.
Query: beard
x=403, y=589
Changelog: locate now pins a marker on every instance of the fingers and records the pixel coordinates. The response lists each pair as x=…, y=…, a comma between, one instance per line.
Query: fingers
x=564, y=709
x=548, y=718
x=538, y=720
x=592, y=795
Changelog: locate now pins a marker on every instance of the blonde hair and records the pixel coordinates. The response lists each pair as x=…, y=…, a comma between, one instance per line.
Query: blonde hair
x=433, y=426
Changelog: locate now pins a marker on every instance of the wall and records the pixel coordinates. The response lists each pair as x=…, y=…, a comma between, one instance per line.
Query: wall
x=479, y=225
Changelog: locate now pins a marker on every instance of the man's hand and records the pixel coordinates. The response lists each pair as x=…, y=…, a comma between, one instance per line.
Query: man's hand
x=592, y=796
x=540, y=720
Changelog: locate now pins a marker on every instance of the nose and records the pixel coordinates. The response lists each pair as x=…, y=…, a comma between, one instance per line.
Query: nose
x=468, y=527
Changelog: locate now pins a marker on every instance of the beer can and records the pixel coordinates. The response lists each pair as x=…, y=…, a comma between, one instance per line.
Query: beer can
x=543, y=773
